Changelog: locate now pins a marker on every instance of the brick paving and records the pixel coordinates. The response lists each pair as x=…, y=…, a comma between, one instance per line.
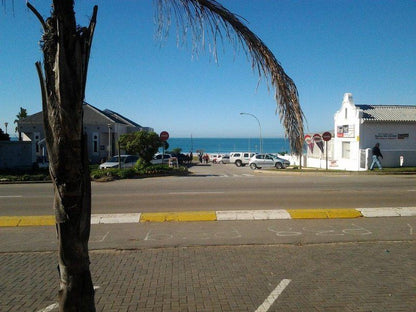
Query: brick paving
x=369, y=276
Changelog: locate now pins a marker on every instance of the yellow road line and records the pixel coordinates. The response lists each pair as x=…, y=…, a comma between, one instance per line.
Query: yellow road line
x=178, y=216
x=323, y=213
x=27, y=221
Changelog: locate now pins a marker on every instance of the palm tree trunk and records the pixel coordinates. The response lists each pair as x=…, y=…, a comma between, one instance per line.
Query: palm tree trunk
x=66, y=50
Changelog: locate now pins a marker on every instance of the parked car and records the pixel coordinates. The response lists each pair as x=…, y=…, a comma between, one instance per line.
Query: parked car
x=219, y=158
x=160, y=159
x=241, y=158
x=214, y=158
x=224, y=159
x=126, y=161
x=268, y=161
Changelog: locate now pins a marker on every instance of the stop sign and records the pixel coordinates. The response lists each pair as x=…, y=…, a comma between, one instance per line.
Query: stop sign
x=326, y=136
x=164, y=135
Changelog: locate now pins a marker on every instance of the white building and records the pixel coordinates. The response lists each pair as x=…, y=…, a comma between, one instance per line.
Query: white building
x=357, y=128
x=103, y=129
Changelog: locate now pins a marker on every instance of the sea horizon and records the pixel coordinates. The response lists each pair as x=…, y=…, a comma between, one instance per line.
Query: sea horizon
x=228, y=145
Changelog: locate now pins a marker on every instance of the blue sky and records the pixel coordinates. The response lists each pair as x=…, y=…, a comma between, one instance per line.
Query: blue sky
x=328, y=48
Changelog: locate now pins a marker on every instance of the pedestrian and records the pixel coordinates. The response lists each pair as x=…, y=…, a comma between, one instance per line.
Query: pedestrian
x=376, y=154
x=206, y=158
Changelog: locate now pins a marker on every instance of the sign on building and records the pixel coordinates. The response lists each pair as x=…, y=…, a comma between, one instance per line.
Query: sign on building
x=345, y=131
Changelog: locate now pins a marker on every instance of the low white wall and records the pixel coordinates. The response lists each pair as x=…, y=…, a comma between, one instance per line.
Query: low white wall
x=391, y=158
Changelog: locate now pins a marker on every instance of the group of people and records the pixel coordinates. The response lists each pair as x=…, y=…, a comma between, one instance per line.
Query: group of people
x=203, y=158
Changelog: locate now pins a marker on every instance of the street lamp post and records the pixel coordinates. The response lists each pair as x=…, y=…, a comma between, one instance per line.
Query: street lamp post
x=6, y=124
x=109, y=141
x=258, y=121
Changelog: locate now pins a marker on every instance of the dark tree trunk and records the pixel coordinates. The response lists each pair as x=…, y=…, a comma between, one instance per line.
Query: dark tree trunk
x=66, y=50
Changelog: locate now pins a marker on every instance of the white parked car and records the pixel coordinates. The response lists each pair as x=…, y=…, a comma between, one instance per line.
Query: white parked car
x=268, y=161
x=126, y=161
x=214, y=158
x=224, y=159
x=160, y=159
x=219, y=158
x=241, y=158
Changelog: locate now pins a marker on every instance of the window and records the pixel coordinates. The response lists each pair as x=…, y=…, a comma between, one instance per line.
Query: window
x=346, y=150
x=37, y=138
x=95, y=142
x=131, y=159
x=346, y=113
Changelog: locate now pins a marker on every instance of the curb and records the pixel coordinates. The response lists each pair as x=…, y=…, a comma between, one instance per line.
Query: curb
x=231, y=215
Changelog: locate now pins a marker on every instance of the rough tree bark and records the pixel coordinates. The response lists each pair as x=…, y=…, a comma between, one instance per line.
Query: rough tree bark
x=66, y=49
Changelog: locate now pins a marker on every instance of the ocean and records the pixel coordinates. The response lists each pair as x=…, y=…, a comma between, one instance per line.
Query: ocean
x=228, y=145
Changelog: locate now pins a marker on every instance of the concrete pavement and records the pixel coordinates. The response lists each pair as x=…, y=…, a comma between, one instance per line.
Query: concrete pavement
x=370, y=276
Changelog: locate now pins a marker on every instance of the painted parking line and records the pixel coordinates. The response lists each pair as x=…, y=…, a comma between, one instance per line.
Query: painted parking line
x=265, y=306
x=225, y=215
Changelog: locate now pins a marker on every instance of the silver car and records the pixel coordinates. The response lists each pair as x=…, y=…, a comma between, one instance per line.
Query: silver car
x=267, y=161
x=126, y=161
x=160, y=159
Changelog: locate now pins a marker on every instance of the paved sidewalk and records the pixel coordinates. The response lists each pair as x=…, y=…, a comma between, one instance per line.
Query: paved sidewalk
x=367, y=276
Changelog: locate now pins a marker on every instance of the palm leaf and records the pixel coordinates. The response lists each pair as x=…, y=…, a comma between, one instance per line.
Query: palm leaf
x=207, y=20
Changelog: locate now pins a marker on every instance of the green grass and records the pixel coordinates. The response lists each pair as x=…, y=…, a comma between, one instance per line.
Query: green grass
x=40, y=175
x=24, y=175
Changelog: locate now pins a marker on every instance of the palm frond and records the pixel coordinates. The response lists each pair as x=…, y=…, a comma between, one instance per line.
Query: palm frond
x=207, y=20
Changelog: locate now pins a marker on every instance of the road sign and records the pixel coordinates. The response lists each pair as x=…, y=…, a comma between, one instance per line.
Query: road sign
x=318, y=140
x=164, y=135
x=317, y=137
x=326, y=136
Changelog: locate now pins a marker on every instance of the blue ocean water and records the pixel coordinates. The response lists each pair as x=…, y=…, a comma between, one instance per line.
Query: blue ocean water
x=228, y=145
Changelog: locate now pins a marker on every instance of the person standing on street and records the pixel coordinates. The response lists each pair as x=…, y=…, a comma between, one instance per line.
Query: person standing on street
x=376, y=154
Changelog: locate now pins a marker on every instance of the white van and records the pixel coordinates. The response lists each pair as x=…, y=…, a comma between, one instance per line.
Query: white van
x=241, y=158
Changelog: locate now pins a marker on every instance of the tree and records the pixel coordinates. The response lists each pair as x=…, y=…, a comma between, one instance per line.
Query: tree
x=143, y=143
x=21, y=115
x=66, y=49
x=4, y=136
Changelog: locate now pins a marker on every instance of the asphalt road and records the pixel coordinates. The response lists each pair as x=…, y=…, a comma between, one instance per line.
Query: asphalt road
x=224, y=187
